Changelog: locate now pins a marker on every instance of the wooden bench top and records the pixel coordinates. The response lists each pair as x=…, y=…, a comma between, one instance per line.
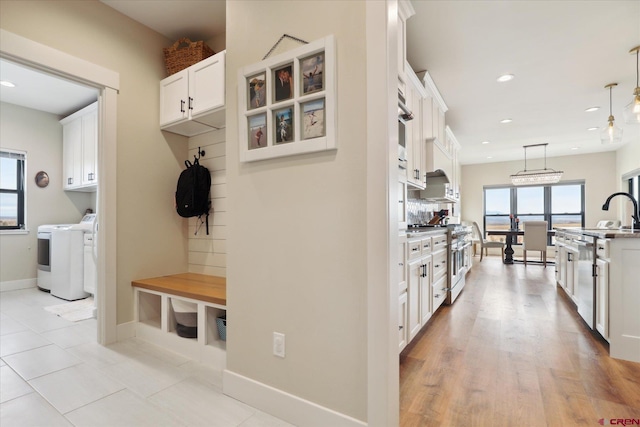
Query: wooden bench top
x=201, y=287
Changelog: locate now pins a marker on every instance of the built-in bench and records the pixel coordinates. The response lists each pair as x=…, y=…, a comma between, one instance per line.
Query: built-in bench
x=155, y=320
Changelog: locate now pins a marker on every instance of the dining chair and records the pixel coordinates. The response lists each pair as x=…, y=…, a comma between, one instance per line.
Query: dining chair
x=535, y=239
x=486, y=244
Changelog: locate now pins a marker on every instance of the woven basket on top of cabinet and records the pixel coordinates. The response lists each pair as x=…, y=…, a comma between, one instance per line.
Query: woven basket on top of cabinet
x=184, y=53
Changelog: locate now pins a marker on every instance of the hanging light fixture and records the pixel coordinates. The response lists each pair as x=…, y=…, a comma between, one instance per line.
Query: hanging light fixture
x=632, y=111
x=536, y=176
x=611, y=134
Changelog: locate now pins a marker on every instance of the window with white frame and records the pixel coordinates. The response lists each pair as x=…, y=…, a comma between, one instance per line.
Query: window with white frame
x=12, y=189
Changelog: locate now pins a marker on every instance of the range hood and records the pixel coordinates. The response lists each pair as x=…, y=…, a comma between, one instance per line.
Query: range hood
x=438, y=188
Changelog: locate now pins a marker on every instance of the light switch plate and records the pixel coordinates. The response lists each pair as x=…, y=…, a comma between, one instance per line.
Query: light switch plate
x=278, y=344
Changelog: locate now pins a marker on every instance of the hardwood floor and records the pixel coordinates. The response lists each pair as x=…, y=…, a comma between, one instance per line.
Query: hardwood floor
x=512, y=351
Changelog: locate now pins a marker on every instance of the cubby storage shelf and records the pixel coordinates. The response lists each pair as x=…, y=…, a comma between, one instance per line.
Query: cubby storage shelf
x=155, y=320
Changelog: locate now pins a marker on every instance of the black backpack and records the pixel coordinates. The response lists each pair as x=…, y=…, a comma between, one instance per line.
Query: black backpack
x=192, y=194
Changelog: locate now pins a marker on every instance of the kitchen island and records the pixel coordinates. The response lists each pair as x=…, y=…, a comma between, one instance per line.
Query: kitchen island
x=599, y=269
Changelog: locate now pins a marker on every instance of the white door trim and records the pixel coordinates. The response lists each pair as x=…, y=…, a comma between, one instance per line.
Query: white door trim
x=36, y=55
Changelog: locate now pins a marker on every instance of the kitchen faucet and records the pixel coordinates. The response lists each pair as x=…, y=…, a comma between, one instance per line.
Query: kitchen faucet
x=636, y=212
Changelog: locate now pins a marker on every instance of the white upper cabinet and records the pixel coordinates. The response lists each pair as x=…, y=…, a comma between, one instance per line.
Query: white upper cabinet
x=405, y=11
x=192, y=101
x=80, y=149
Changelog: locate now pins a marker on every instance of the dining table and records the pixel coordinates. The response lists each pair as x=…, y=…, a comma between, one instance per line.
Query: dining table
x=511, y=237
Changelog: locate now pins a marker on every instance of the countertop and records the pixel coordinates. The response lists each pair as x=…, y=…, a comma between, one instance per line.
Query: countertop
x=601, y=233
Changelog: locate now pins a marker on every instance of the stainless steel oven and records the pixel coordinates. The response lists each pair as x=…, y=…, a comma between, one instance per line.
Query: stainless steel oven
x=459, y=242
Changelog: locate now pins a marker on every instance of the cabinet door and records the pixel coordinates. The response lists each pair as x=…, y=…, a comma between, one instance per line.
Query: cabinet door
x=402, y=205
x=90, y=148
x=425, y=292
x=72, y=149
x=206, y=85
x=174, y=91
x=402, y=322
x=602, y=298
x=413, y=297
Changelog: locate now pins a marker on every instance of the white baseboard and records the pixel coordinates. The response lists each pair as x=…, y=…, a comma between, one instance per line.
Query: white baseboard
x=125, y=331
x=283, y=405
x=14, y=285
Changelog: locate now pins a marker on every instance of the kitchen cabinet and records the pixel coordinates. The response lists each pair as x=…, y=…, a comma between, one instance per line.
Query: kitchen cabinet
x=192, y=101
x=80, y=149
x=405, y=11
x=402, y=203
x=617, y=268
x=416, y=158
x=567, y=265
x=434, y=125
x=402, y=322
x=602, y=297
x=402, y=292
x=423, y=254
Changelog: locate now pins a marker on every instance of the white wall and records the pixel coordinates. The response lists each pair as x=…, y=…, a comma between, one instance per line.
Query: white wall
x=208, y=253
x=598, y=170
x=297, y=240
x=150, y=235
x=40, y=135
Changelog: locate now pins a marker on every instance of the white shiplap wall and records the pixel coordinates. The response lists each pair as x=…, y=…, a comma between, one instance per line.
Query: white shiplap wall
x=208, y=254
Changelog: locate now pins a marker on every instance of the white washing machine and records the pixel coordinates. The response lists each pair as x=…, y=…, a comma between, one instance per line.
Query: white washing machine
x=44, y=254
x=68, y=259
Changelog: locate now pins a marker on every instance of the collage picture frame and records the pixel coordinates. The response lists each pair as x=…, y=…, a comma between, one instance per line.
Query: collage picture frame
x=287, y=103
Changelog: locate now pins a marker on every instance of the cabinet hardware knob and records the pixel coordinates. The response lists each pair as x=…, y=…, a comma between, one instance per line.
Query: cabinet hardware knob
x=436, y=296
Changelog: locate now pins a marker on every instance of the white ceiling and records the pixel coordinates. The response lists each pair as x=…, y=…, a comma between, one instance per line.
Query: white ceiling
x=562, y=53
x=43, y=92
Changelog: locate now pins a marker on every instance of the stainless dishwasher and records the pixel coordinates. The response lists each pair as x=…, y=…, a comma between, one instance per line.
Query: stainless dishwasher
x=586, y=283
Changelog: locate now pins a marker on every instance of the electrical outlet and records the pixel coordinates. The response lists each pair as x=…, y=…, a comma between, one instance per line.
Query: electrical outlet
x=278, y=344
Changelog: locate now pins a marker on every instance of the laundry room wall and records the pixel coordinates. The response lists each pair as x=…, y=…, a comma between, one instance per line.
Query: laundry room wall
x=39, y=134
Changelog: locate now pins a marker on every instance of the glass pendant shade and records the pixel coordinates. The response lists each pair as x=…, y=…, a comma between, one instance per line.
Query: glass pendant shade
x=611, y=134
x=632, y=110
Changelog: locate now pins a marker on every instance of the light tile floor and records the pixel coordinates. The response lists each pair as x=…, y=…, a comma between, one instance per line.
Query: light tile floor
x=53, y=373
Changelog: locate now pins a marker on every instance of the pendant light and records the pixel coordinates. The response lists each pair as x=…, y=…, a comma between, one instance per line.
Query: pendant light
x=632, y=111
x=612, y=134
x=536, y=176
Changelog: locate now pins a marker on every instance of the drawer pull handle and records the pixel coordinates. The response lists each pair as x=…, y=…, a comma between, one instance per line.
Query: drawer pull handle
x=436, y=296
x=414, y=249
x=182, y=105
x=400, y=264
x=400, y=327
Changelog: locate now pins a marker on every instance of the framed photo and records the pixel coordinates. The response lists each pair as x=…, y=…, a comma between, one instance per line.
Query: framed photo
x=287, y=103
x=257, y=131
x=312, y=73
x=283, y=125
x=313, y=119
x=283, y=83
x=257, y=87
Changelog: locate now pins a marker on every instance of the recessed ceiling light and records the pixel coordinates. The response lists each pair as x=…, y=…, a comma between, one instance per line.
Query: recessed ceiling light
x=575, y=148
x=506, y=121
x=505, y=78
x=591, y=109
x=7, y=83
x=485, y=142
x=489, y=157
x=594, y=128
